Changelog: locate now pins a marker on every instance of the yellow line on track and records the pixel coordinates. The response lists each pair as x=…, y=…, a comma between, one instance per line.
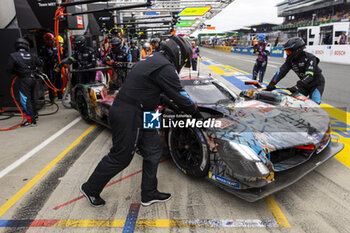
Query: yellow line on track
x=343, y=131
x=42, y=173
x=277, y=212
x=90, y=223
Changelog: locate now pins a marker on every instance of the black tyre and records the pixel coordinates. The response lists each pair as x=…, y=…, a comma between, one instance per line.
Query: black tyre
x=189, y=151
x=82, y=105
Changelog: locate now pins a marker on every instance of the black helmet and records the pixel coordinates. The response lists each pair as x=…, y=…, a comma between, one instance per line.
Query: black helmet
x=155, y=40
x=293, y=47
x=115, y=43
x=179, y=51
x=79, y=42
x=22, y=43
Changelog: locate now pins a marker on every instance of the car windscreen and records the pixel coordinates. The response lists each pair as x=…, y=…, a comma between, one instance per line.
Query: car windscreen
x=205, y=94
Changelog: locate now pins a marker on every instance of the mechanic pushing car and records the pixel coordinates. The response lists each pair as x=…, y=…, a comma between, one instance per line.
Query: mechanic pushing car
x=23, y=64
x=261, y=48
x=145, y=83
x=83, y=57
x=305, y=65
x=48, y=55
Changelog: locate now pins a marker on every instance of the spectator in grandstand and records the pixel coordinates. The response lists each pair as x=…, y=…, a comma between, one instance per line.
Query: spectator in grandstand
x=343, y=38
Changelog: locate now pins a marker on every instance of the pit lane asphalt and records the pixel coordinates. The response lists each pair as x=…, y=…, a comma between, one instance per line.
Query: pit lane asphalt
x=337, y=89
x=317, y=203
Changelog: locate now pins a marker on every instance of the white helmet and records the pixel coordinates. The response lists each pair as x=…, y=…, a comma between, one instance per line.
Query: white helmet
x=146, y=45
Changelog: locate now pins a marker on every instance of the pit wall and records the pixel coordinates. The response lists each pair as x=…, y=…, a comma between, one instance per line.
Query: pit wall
x=339, y=54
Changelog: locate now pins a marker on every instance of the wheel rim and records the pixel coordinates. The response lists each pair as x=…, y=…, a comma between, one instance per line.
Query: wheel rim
x=186, y=148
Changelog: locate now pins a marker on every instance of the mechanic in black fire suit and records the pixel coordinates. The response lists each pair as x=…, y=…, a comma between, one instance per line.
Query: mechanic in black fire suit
x=119, y=58
x=83, y=57
x=141, y=92
x=305, y=65
x=48, y=54
x=23, y=64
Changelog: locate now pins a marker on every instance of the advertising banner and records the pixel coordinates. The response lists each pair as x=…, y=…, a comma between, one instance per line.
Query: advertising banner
x=185, y=23
x=331, y=53
x=275, y=51
x=194, y=11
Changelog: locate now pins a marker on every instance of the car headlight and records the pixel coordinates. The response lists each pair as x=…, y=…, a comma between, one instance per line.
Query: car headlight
x=242, y=159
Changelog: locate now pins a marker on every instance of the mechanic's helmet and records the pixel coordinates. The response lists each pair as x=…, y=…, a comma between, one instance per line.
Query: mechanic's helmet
x=179, y=51
x=193, y=43
x=49, y=39
x=79, y=42
x=22, y=43
x=261, y=37
x=116, y=43
x=293, y=47
x=155, y=40
x=60, y=40
x=146, y=45
x=133, y=42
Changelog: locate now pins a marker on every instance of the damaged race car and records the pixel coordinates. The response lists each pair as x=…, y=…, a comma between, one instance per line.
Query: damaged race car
x=266, y=140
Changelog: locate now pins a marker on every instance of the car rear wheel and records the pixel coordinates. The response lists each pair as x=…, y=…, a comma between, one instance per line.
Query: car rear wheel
x=82, y=105
x=189, y=151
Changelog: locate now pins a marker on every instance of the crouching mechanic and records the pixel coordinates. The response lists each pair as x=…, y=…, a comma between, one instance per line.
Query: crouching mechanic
x=305, y=65
x=147, y=80
x=23, y=64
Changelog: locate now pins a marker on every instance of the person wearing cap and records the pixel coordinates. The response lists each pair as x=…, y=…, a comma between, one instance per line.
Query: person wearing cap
x=142, y=91
x=195, y=52
x=262, y=49
x=311, y=81
x=134, y=51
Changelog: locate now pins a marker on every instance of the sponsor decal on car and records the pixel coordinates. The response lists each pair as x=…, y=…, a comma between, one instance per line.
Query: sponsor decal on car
x=223, y=180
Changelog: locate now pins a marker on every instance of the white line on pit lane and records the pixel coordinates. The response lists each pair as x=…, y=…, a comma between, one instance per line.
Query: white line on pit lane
x=37, y=148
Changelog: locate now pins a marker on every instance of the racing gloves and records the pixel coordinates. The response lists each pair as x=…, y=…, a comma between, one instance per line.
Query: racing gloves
x=270, y=87
x=293, y=89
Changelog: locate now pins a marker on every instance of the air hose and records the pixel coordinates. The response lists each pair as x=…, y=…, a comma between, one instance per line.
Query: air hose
x=14, y=100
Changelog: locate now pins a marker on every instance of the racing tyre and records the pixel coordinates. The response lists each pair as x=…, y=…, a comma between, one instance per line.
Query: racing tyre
x=82, y=105
x=189, y=151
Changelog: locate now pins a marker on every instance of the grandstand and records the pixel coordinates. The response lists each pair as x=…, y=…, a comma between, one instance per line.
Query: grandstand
x=301, y=13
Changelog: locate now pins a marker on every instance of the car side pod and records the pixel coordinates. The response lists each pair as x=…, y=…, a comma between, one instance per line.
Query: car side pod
x=285, y=178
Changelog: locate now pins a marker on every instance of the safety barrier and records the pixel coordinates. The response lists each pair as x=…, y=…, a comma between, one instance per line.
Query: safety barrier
x=331, y=53
x=339, y=54
x=275, y=51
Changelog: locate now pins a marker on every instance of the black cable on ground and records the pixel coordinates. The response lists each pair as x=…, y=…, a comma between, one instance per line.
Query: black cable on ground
x=47, y=103
x=8, y=116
